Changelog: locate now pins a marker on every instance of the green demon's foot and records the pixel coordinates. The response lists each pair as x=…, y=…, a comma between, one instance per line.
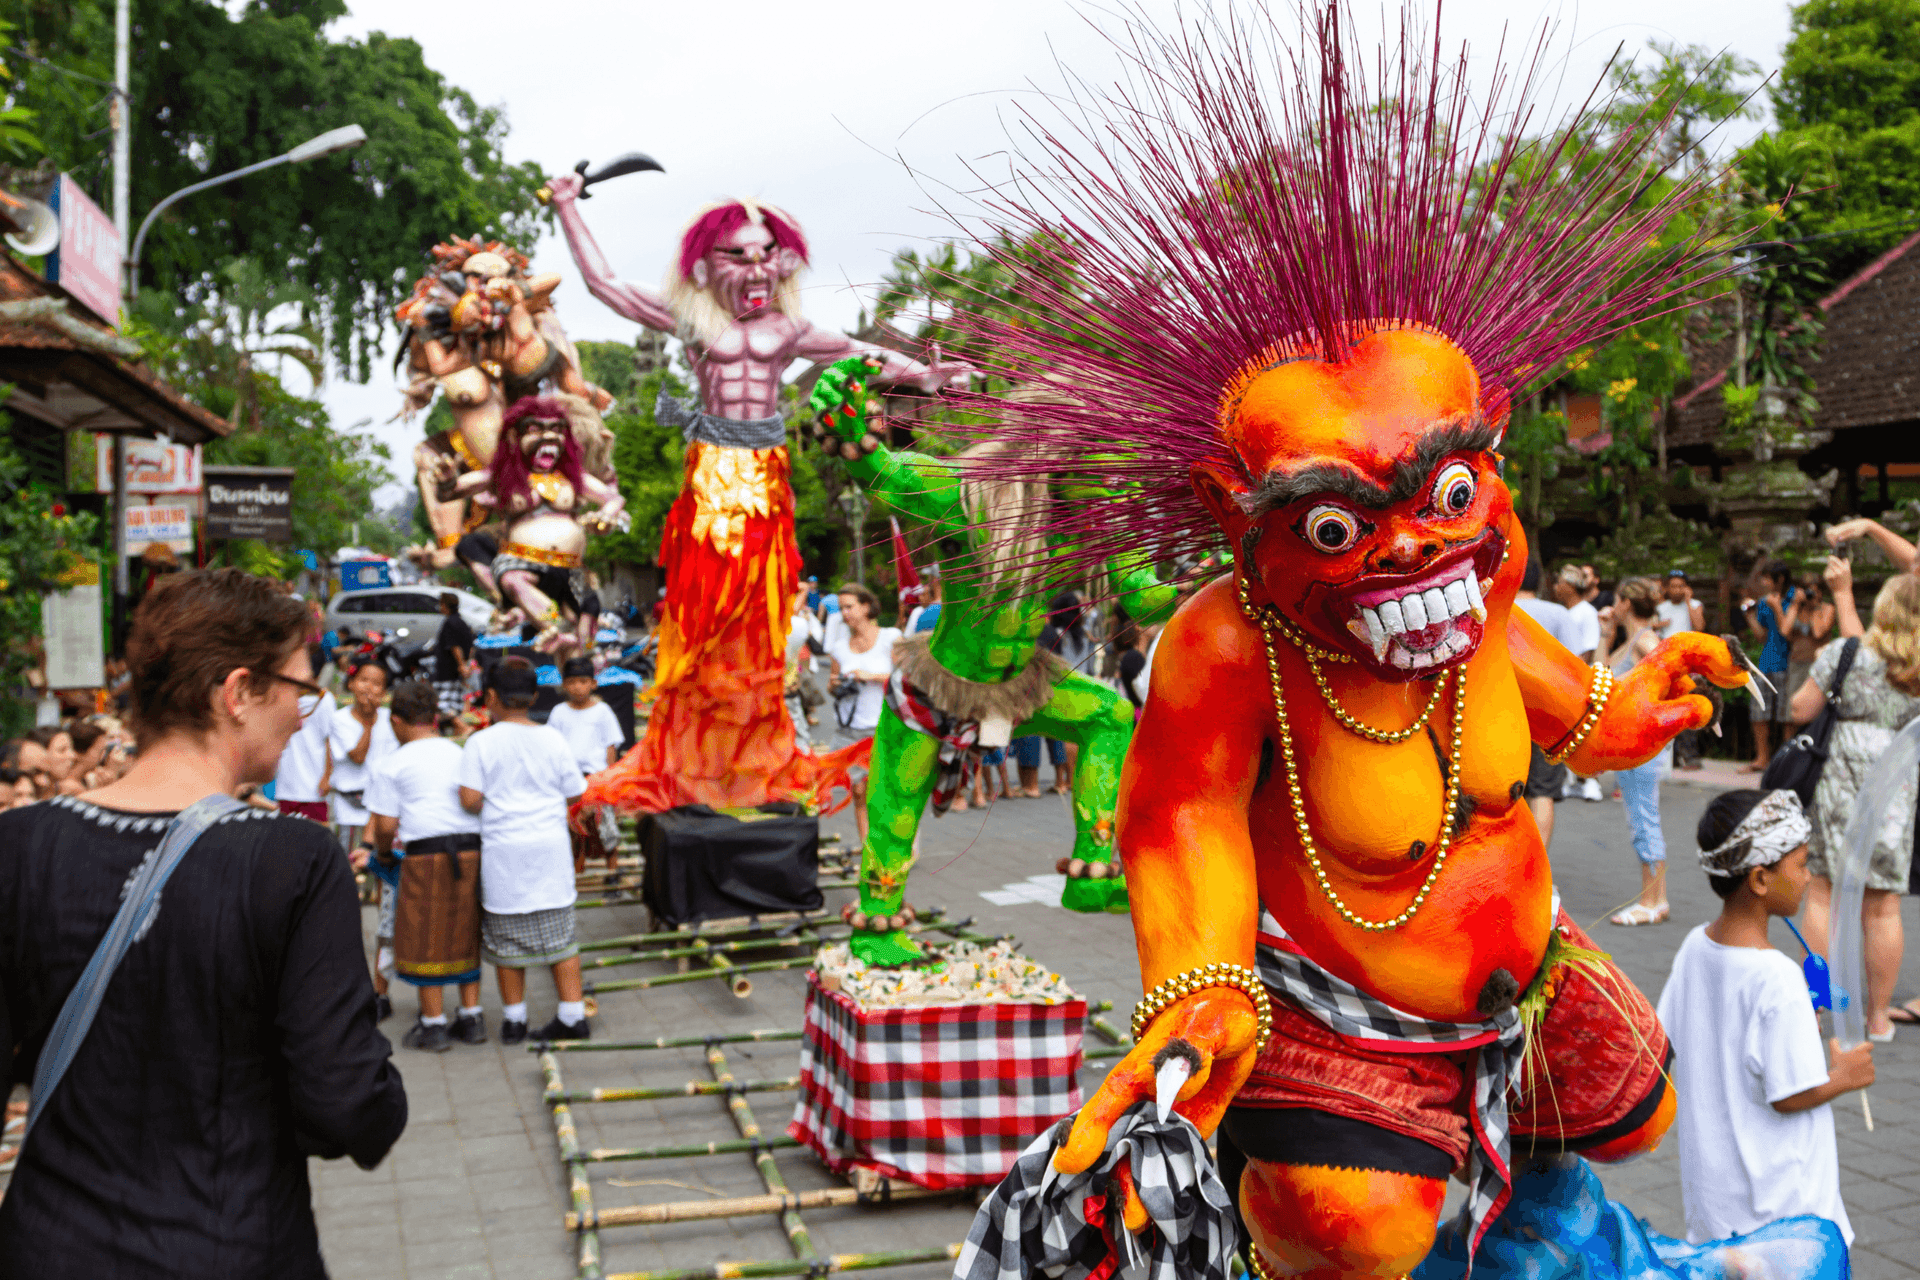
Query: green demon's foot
x=887, y=950
x=1095, y=895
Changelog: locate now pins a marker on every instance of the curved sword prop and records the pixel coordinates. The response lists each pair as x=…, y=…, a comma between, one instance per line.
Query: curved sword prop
x=1894, y=770
x=632, y=162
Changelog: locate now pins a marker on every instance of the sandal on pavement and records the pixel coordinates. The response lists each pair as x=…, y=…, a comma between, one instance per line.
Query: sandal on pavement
x=1639, y=913
x=1903, y=1014
x=1883, y=1037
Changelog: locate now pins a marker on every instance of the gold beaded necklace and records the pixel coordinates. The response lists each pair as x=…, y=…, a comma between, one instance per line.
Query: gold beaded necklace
x=1298, y=801
x=1315, y=655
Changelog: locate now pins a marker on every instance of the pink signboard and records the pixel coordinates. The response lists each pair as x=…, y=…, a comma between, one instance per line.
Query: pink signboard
x=87, y=263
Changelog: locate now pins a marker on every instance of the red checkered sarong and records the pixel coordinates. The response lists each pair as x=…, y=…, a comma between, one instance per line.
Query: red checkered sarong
x=940, y=1097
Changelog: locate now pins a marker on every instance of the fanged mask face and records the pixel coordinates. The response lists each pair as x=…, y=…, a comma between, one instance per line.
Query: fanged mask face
x=1380, y=505
x=543, y=444
x=747, y=269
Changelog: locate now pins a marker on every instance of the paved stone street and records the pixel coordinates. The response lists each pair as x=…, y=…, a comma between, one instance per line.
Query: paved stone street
x=475, y=1188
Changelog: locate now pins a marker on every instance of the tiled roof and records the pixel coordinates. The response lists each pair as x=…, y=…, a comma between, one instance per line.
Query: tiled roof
x=1868, y=370
x=36, y=353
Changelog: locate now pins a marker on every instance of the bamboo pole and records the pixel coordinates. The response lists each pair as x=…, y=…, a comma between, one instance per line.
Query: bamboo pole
x=691, y=1089
x=776, y=1185
x=789, y=1202
x=666, y=1042
x=624, y=880
x=673, y=979
x=579, y=1189
x=675, y=1153
x=784, y=1267
x=622, y=901
x=701, y=947
x=741, y=986
x=806, y=937
x=725, y=931
x=955, y=931
x=1110, y=1033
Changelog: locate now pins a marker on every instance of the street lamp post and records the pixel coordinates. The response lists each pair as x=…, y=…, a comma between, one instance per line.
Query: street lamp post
x=326, y=144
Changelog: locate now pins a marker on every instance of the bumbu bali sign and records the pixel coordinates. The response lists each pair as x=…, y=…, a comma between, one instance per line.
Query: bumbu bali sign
x=87, y=263
x=250, y=502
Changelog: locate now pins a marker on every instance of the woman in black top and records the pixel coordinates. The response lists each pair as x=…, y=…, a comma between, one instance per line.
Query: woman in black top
x=237, y=1036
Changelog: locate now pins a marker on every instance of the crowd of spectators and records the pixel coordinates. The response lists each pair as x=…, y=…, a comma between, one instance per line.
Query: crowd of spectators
x=81, y=754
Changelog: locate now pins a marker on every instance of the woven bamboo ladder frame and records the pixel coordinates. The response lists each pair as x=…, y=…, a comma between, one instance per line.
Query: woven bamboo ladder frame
x=585, y=1220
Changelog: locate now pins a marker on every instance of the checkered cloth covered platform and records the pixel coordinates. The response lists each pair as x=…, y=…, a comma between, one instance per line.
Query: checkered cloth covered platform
x=941, y=1097
x=1040, y=1223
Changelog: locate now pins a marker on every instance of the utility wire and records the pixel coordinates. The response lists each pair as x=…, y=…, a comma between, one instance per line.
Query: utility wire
x=66, y=71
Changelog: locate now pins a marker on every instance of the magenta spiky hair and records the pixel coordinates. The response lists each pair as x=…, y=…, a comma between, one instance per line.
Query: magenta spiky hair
x=722, y=220
x=1234, y=197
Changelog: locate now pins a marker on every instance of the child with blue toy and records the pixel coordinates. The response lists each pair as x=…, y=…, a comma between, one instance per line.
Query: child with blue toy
x=1755, y=1124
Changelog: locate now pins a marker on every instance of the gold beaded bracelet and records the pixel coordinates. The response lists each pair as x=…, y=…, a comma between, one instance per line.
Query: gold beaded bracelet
x=1182, y=985
x=1597, y=696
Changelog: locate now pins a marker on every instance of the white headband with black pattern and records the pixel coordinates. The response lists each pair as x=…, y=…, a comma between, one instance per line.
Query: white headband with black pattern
x=1775, y=828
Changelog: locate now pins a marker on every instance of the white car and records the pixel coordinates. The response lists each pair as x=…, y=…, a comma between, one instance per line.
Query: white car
x=414, y=610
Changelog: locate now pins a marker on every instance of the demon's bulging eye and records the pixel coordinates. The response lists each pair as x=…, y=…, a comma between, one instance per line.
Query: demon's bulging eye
x=1453, y=491
x=1330, y=528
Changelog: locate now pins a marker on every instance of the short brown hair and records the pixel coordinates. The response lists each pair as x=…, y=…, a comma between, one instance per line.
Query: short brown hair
x=192, y=630
x=864, y=596
x=448, y=600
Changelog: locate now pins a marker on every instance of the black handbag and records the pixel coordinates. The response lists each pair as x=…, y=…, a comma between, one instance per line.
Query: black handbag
x=1797, y=764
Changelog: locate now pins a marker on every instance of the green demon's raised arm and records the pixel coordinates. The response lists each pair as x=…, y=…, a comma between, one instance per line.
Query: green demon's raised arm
x=920, y=485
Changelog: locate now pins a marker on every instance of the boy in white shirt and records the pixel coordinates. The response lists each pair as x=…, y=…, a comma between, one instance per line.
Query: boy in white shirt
x=1756, y=1130
x=593, y=732
x=413, y=794
x=305, y=774
x=588, y=724
x=518, y=776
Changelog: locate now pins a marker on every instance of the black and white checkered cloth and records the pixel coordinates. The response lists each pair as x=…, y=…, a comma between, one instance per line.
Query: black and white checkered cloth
x=452, y=695
x=1350, y=1012
x=1036, y=1222
x=528, y=939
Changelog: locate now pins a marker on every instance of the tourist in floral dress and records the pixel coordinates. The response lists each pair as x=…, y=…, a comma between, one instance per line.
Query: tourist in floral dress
x=1879, y=696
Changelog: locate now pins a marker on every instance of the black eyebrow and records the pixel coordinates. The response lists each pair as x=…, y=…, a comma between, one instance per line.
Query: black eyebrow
x=1282, y=488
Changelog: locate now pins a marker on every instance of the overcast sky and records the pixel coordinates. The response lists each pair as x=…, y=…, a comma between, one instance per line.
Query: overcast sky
x=848, y=113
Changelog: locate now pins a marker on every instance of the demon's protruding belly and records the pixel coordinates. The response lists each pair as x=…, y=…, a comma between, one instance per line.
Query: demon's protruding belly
x=1489, y=910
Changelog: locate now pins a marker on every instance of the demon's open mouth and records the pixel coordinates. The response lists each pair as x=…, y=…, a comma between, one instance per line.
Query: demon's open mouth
x=1426, y=623
x=546, y=457
x=755, y=296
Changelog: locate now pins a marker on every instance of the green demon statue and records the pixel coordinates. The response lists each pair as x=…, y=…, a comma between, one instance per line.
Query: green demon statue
x=980, y=677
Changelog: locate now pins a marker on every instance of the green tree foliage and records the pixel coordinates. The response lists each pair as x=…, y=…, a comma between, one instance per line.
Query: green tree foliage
x=228, y=356
x=1785, y=273
x=1690, y=91
x=40, y=543
x=220, y=86
x=647, y=458
x=1849, y=91
x=1693, y=88
x=609, y=366
x=923, y=294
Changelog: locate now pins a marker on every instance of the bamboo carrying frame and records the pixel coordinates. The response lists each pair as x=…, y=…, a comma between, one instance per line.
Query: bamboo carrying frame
x=707, y=953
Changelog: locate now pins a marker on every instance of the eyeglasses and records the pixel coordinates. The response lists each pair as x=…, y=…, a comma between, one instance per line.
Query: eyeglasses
x=306, y=685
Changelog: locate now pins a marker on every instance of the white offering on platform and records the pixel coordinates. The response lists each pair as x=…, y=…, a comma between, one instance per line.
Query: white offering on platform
x=962, y=973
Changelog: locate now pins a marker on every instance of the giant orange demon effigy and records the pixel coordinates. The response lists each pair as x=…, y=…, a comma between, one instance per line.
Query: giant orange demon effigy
x=1315, y=296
